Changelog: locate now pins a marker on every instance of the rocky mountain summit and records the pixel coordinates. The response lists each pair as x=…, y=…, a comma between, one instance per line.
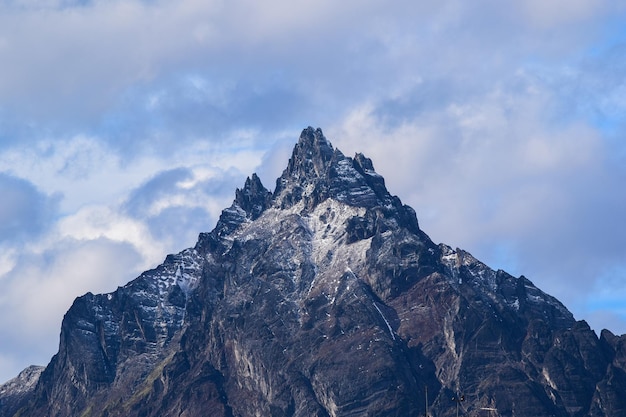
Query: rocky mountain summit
x=323, y=298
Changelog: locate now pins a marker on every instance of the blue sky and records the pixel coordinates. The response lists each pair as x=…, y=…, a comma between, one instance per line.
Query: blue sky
x=125, y=127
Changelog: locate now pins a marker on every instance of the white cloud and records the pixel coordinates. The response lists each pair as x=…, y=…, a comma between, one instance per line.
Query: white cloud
x=79, y=169
x=93, y=222
x=545, y=14
x=80, y=61
x=25, y=212
x=86, y=170
x=7, y=260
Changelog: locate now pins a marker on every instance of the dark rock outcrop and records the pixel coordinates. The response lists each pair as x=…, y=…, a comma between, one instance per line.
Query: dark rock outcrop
x=324, y=298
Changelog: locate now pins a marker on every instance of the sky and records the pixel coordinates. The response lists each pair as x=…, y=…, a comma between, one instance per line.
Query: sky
x=126, y=125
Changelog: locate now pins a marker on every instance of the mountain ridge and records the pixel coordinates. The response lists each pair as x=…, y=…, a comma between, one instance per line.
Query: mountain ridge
x=324, y=298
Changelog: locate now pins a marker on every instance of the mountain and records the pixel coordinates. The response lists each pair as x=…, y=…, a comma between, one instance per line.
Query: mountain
x=323, y=298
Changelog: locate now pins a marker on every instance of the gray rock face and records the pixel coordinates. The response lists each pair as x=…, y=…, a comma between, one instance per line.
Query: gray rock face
x=324, y=298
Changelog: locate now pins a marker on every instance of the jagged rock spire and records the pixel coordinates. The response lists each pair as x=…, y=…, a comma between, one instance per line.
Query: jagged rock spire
x=317, y=171
x=249, y=203
x=254, y=198
x=309, y=163
x=310, y=156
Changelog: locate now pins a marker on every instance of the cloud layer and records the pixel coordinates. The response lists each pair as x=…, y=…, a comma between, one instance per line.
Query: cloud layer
x=125, y=127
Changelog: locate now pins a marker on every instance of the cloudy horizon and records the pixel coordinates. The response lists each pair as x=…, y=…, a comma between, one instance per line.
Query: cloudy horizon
x=126, y=125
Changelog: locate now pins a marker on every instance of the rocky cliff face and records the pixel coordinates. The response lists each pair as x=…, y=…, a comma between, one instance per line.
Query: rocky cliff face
x=324, y=298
